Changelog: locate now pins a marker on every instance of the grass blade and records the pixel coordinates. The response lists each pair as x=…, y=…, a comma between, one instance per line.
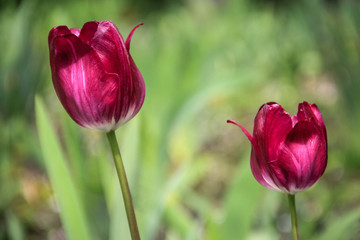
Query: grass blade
x=241, y=203
x=67, y=198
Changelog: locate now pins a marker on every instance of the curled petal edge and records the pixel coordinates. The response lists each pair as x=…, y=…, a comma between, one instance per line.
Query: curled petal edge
x=128, y=39
x=247, y=134
x=264, y=177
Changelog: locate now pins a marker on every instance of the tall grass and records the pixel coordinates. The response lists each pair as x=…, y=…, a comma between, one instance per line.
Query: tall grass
x=203, y=63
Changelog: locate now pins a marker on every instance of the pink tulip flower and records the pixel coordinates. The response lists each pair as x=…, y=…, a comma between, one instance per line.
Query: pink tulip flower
x=94, y=76
x=289, y=154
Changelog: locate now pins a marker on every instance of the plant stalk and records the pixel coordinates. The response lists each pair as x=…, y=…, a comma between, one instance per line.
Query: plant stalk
x=294, y=224
x=130, y=213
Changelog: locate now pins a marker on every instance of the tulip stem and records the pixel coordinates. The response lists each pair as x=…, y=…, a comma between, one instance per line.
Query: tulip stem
x=130, y=213
x=294, y=225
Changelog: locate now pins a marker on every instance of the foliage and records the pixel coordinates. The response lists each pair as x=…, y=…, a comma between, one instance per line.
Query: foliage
x=203, y=62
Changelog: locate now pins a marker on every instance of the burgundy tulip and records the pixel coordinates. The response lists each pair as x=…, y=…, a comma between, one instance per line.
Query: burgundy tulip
x=94, y=75
x=289, y=154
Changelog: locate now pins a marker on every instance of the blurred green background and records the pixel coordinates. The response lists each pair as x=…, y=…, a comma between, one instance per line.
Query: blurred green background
x=204, y=62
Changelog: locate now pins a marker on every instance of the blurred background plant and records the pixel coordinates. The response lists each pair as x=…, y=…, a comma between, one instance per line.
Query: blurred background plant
x=203, y=62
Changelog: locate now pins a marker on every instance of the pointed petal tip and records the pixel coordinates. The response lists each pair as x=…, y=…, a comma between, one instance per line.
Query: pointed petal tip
x=248, y=135
x=57, y=31
x=304, y=104
x=128, y=39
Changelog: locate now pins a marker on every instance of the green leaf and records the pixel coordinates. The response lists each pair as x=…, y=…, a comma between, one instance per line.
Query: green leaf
x=344, y=227
x=176, y=216
x=67, y=198
x=15, y=228
x=241, y=201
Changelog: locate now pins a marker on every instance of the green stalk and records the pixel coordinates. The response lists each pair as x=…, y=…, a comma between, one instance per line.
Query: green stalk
x=134, y=231
x=294, y=225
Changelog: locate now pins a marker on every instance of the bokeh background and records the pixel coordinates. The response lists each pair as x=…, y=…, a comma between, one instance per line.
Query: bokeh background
x=204, y=62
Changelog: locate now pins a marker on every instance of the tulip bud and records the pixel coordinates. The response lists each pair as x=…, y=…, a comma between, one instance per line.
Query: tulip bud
x=94, y=76
x=289, y=154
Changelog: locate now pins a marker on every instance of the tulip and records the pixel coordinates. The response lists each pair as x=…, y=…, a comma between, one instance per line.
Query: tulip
x=94, y=76
x=289, y=154
x=99, y=86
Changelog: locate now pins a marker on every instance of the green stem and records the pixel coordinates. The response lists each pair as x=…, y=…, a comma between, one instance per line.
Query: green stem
x=124, y=186
x=294, y=225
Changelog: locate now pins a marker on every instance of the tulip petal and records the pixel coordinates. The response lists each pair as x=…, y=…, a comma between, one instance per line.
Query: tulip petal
x=261, y=174
x=88, y=31
x=133, y=93
x=271, y=126
x=85, y=90
x=302, y=157
x=57, y=31
x=128, y=39
x=259, y=166
x=132, y=98
x=138, y=88
x=307, y=111
x=109, y=45
x=75, y=31
x=247, y=134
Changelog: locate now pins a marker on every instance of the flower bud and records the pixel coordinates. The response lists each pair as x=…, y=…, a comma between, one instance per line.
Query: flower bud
x=289, y=154
x=94, y=76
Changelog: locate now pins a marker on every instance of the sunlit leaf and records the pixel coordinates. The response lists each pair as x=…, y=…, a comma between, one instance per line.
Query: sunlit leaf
x=66, y=195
